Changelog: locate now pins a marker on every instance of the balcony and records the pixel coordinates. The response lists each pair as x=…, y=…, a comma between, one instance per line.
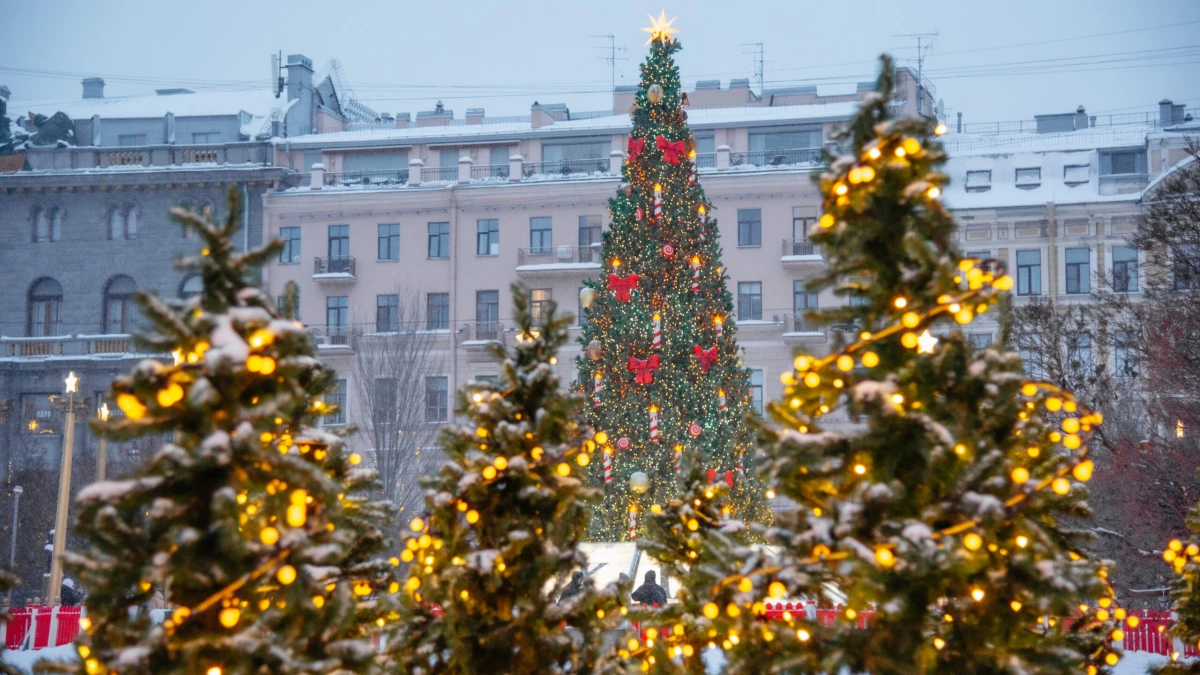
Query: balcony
x=439, y=174
x=489, y=172
x=367, y=177
x=564, y=168
x=338, y=270
x=198, y=156
x=555, y=260
x=337, y=336
x=116, y=345
x=767, y=158
x=801, y=253
x=799, y=329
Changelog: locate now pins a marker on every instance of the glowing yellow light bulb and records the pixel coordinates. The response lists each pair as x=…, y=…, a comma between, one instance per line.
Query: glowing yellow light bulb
x=1020, y=475
x=286, y=574
x=972, y=541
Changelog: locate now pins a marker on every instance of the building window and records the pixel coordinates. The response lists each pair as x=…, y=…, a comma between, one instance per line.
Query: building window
x=1078, y=270
x=439, y=240
x=389, y=242
x=1031, y=177
x=980, y=340
x=498, y=162
x=39, y=415
x=802, y=220
x=584, y=155
x=337, y=400
x=385, y=408
x=1119, y=163
x=756, y=390
x=290, y=253
x=590, y=239
x=337, y=313
x=45, y=297
x=749, y=227
x=491, y=380
x=541, y=236
x=128, y=140
x=1029, y=272
x=339, y=243
x=979, y=181
x=1076, y=173
x=487, y=312
x=1124, y=269
x=122, y=223
x=437, y=311
x=437, y=405
x=1186, y=265
x=1124, y=354
x=192, y=285
x=771, y=147
x=1031, y=358
x=487, y=236
x=387, y=313
x=539, y=302
x=206, y=137
x=118, y=305
x=749, y=301
x=47, y=225
x=582, y=316
x=1079, y=352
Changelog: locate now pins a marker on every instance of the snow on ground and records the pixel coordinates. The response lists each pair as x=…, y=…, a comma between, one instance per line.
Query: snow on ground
x=24, y=660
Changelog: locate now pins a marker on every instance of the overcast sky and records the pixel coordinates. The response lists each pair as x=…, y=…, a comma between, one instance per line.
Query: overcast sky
x=1109, y=55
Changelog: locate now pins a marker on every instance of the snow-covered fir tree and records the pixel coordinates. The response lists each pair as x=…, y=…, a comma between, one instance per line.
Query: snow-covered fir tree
x=488, y=561
x=255, y=524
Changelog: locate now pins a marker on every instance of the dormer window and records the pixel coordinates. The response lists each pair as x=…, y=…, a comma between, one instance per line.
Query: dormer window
x=979, y=181
x=1076, y=174
x=1125, y=162
x=1029, y=178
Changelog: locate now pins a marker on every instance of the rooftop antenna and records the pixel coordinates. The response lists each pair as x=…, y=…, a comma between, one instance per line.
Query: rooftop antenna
x=277, y=73
x=758, y=63
x=612, y=57
x=924, y=44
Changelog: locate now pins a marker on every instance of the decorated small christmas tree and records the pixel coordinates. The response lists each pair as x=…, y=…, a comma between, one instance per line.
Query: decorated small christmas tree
x=1184, y=557
x=504, y=519
x=941, y=517
x=662, y=368
x=253, y=523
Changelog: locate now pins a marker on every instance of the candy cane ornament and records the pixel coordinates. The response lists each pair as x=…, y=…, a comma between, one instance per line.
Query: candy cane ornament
x=608, y=472
x=654, y=423
x=678, y=458
x=657, y=342
x=597, y=389
x=633, y=524
x=696, y=275
x=703, y=220
x=692, y=159
x=657, y=202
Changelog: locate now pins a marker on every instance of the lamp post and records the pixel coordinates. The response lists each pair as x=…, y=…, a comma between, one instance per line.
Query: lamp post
x=12, y=548
x=64, y=489
x=102, y=450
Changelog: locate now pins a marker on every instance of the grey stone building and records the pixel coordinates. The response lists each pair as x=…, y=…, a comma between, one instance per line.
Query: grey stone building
x=84, y=224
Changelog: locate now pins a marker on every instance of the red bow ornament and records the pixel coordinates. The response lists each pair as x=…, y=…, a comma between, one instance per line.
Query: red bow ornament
x=706, y=357
x=622, y=285
x=635, y=146
x=643, y=369
x=671, y=151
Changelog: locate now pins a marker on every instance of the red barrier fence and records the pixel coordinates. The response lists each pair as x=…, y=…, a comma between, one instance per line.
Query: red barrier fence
x=40, y=627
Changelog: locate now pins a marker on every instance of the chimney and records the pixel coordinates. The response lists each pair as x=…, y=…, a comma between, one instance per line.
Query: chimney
x=5, y=92
x=300, y=89
x=539, y=116
x=474, y=115
x=403, y=120
x=93, y=87
x=1170, y=114
x=959, y=130
x=1081, y=118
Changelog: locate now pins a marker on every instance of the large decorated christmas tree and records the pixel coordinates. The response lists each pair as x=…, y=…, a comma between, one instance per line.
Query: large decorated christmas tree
x=255, y=525
x=661, y=364
x=488, y=565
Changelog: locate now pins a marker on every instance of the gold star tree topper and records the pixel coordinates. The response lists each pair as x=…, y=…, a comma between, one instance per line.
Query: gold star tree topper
x=660, y=28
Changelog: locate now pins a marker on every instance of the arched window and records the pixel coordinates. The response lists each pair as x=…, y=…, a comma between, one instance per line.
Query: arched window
x=56, y=222
x=131, y=224
x=122, y=222
x=118, y=305
x=192, y=285
x=41, y=225
x=116, y=224
x=45, y=297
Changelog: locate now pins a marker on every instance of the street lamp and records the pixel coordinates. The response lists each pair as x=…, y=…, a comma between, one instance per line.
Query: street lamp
x=102, y=451
x=12, y=548
x=64, y=489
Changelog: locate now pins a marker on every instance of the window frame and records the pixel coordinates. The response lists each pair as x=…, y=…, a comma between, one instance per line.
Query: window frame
x=387, y=313
x=339, y=235
x=342, y=312
x=978, y=174
x=387, y=242
x=437, y=399
x=119, y=302
x=749, y=228
x=337, y=397
x=47, y=305
x=539, y=301
x=1029, y=284
x=1027, y=183
x=291, y=245
x=1130, y=275
x=756, y=389
x=441, y=319
x=439, y=232
x=544, y=236
x=487, y=299
x=487, y=237
x=749, y=303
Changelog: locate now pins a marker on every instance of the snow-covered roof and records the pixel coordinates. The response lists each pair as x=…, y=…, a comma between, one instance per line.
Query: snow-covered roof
x=697, y=118
x=960, y=145
x=259, y=103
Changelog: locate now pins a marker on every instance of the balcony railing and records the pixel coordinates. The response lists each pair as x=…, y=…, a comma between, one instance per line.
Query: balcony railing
x=706, y=160
x=489, y=172
x=565, y=254
x=776, y=157
x=91, y=157
x=334, y=335
x=800, y=247
x=338, y=265
x=66, y=345
x=798, y=323
x=481, y=331
x=439, y=174
x=566, y=167
x=367, y=177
